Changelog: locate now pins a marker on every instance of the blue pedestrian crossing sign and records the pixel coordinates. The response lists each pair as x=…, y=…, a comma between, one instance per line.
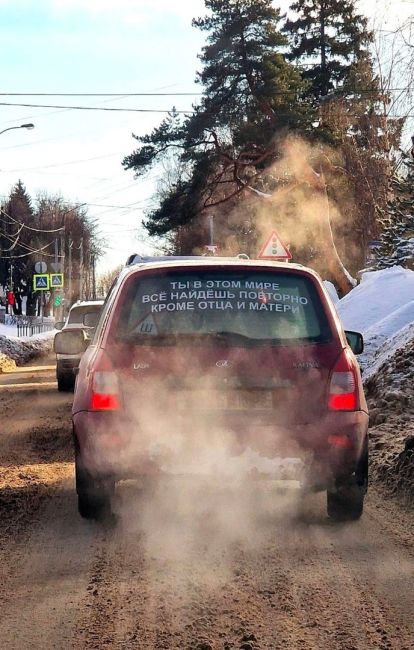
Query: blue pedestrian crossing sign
x=41, y=282
x=56, y=280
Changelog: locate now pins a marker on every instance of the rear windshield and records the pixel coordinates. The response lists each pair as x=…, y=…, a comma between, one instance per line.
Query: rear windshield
x=256, y=307
x=76, y=314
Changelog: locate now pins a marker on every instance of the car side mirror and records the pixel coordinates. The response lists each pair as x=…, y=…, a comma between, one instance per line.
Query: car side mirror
x=70, y=342
x=59, y=324
x=91, y=318
x=355, y=341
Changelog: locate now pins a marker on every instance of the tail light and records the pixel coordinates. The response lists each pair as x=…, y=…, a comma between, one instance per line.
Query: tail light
x=341, y=441
x=105, y=391
x=343, y=387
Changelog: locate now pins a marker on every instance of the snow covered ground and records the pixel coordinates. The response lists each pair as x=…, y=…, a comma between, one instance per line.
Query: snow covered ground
x=8, y=330
x=17, y=350
x=382, y=308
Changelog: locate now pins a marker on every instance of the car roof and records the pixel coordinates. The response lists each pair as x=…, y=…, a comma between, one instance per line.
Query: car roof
x=154, y=263
x=87, y=303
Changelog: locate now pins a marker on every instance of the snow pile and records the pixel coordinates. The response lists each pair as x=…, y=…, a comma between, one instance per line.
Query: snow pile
x=382, y=308
x=15, y=351
x=331, y=289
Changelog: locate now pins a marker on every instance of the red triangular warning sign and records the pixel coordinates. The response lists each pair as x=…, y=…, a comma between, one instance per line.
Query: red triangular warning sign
x=274, y=249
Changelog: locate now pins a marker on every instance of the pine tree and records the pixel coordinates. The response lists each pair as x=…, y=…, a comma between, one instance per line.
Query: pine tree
x=331, y=41
x=396, y=244
x=251, y=97
x=327, y=37
x=17, y=241
x=29, y=233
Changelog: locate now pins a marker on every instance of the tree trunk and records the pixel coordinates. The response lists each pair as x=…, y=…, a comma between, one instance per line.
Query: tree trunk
x=344, y=281
x=323, y=50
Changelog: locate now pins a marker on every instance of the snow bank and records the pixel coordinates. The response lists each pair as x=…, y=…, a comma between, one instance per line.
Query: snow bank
x=332, y=291
x=379, y=295
x=382, y=308
x=15, y=351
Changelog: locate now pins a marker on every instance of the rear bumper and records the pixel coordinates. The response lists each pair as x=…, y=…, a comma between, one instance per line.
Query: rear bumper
x=67, y=365
x=329, y=448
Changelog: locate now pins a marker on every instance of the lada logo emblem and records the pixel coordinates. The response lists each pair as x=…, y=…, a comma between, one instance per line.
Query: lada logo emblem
x=223, y=363
x=141, y=366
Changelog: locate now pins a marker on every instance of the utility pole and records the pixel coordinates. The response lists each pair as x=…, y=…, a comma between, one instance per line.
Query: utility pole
x=211, y=247
x=93, y=279
x=211, y=220
x=81, y=270
x=62, y=249
x=70, y=269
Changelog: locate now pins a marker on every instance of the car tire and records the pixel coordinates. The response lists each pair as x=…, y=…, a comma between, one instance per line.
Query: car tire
x=65, y=383
x=94, y=505
x=346, y=503
x=94, y=496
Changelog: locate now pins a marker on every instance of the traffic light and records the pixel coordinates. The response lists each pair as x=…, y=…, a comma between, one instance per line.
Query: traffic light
x=58, y=300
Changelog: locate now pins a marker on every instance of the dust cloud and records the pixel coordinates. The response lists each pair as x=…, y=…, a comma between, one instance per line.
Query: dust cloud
x=198, y=482
x=311, y=207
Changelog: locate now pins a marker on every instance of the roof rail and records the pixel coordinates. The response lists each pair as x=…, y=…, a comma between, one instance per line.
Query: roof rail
x=146, y=259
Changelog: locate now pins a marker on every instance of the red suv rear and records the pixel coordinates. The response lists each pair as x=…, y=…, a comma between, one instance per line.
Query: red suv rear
x=250, y=352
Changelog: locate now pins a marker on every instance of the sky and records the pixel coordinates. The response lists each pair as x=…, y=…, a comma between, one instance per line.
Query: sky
x=100, y=46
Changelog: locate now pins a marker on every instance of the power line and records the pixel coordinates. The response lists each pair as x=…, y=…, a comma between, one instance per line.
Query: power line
x=23, y=245
x=117, y=207
x=99, y=94
x=42, y=230
x=62, y=164
x=153, y=94
x=99, y=108
x=170, y=110
x=23, y=225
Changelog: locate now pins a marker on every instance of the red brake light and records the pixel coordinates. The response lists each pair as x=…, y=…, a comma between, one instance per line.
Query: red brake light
x=343, y=388
x=105, y=392
x=346, y=402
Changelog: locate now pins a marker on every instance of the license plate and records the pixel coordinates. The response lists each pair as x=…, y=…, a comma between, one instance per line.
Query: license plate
x=237, y=400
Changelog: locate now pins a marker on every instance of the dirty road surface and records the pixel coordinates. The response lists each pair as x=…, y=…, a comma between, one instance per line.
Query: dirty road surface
x=201, y=566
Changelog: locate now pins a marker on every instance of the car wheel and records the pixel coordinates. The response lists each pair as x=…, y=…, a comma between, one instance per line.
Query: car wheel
x=94, y=496
x=346, y=503
x=94, y=505
x=64, y=382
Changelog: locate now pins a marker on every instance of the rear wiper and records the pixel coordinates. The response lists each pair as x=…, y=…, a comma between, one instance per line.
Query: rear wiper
x=139, y=337
x=160, y=339
x=243, y=338
x=231, y=336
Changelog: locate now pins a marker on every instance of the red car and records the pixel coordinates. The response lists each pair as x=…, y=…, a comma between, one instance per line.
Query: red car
x=189, y=351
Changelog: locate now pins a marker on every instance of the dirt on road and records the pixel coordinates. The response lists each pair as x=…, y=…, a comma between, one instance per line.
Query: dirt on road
x=186, y=566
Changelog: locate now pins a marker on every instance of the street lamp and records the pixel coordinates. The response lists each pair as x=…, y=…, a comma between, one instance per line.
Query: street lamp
x=22, y=126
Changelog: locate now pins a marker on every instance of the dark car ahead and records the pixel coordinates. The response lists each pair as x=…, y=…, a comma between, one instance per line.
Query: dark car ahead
x=187, y=348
